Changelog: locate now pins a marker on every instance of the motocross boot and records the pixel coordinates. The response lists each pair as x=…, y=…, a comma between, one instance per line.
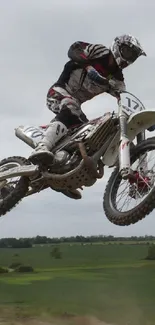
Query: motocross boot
x=42, y=152
x=53, y=134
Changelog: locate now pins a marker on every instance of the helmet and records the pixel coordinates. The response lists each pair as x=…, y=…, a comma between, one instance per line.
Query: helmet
x=126, y=49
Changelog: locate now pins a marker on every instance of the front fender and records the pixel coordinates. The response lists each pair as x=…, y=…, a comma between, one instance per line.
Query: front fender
x=140, y=121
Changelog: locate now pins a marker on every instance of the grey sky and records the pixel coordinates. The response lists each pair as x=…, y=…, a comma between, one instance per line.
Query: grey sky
x=34, y=40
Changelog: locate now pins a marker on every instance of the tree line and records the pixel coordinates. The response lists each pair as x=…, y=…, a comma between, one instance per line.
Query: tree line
x=42, y=240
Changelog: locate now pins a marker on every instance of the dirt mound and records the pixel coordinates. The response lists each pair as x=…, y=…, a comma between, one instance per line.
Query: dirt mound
x=89, y=321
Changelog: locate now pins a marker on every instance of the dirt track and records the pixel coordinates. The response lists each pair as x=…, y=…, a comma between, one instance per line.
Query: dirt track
x=71, y=321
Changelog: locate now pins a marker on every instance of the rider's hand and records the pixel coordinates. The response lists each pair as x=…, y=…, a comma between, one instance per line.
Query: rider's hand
x=151, y=128
x=114, y=92
x=95, y=76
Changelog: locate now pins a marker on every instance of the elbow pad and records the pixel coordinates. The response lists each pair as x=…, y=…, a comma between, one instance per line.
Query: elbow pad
x=76, y=54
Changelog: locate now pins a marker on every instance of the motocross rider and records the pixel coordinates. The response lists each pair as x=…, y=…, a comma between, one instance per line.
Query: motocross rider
x=92, y=69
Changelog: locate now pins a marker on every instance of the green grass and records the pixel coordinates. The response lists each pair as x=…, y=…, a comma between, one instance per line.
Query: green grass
x=75, y=255
x=112, y=282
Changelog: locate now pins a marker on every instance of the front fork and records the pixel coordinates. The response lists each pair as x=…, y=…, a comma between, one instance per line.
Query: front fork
x=124, y=147
x=143, y=162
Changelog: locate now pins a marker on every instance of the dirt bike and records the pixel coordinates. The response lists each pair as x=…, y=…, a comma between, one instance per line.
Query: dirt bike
x=80, y=158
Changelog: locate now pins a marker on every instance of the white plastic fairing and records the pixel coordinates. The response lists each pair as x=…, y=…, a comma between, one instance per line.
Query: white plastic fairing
x=31, y=135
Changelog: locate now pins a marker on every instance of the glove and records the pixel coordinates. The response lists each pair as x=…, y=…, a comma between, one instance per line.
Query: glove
x=95, y=76
x=151, y=128
x=114, y=92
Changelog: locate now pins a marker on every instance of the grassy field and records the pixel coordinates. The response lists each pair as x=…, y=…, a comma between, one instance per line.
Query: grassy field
x=111, y=282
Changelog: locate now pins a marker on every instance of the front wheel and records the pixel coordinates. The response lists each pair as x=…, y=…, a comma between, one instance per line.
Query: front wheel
x=12, y=190
x=137, y=193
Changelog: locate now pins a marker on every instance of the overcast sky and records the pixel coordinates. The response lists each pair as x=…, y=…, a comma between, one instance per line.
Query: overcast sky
x=34, y=39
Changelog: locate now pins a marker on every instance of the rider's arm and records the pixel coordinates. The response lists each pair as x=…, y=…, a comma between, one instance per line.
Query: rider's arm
x=113, y=85
x=83, y=53
x=95, y=76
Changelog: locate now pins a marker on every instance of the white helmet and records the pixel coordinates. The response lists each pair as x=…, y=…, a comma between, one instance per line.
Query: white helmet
x=126, y=49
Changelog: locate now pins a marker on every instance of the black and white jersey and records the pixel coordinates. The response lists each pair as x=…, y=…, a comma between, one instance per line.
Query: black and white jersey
x=74, y=76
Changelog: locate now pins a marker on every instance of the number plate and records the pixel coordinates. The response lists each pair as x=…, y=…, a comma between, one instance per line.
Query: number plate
x=131, y=103
x=33, y=132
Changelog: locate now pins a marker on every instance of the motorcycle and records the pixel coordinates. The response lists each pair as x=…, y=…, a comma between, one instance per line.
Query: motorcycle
x=80, y=159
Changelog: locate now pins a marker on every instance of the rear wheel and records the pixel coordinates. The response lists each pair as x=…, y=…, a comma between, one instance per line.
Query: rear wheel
x=12, y=190
x=138, y=192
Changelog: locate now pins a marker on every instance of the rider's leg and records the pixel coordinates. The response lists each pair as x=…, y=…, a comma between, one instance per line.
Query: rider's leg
x=68, y=112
